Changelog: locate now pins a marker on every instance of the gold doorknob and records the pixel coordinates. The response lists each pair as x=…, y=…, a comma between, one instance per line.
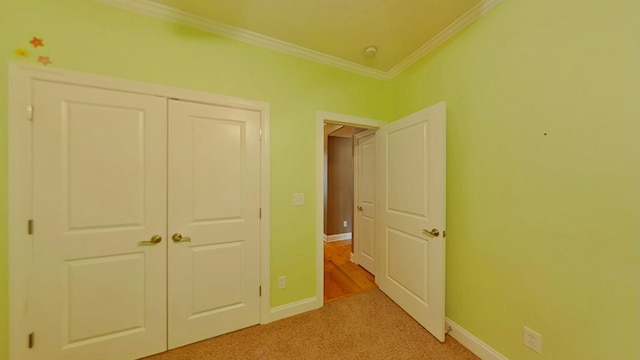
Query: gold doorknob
x=434, y=232
x=359, y=208
x=177, y=238
x=155, y=239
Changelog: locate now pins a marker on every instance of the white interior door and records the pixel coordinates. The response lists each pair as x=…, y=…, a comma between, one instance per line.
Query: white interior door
x=411, y=215
x=214, y=209
x=364, y=239
x=99, y=191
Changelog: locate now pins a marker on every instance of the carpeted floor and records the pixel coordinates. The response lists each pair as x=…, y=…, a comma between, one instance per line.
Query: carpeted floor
x=364, y=326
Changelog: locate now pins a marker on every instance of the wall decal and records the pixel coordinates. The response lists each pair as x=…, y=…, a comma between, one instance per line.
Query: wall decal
x=36, y=42
x=22, y=52
x=44, y=60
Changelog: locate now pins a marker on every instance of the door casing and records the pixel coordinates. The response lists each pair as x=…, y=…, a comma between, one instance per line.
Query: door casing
x=21, y=181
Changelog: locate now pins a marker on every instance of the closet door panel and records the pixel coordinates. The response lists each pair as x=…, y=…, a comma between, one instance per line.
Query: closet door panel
x=214, y=202
x=99, y=197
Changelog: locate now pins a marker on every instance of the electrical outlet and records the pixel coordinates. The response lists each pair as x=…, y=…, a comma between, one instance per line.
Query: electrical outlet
x=532, y=340
x=344, y=223
x=282, y=282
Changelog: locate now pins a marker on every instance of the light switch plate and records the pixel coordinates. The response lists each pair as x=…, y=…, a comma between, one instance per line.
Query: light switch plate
x=298, y=199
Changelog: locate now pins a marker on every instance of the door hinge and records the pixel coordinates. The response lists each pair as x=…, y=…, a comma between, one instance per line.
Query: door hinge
x=259, y=290
x=260, y=134
x=30, y=341
x=30, y=227
x=260, y=213
x=30, y=112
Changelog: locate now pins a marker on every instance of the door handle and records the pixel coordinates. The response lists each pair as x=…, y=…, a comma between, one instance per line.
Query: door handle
x=434, y=232
x=155, y=239
x=177, y=238
x=359, y=208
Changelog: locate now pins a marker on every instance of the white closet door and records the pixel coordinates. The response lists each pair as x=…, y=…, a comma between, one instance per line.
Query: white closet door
x=99, y=191
x=214, y=204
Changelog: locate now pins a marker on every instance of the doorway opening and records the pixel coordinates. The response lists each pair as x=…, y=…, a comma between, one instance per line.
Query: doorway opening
x=343, y=276
x=339, y=274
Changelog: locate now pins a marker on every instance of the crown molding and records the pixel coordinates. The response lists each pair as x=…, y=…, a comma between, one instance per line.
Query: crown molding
x=168, y=13
x=465, y=20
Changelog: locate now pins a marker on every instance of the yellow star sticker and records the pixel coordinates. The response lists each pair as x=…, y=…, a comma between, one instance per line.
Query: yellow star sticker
x=22, y=52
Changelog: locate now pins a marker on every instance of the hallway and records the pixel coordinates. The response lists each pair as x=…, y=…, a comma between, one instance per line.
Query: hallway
x=343, y=278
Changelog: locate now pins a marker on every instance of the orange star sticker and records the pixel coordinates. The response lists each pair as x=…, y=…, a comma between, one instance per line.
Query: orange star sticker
x=22, y=52
x=36, y=42
x=44, y=60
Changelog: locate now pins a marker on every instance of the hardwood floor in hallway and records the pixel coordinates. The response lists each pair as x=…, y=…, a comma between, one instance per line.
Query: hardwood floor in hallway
x=342, y=277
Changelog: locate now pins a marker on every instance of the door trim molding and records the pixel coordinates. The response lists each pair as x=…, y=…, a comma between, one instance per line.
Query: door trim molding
x=339, y=237
x=20, y=180
x=294, y=308
x=323, y=117
x=20, y=211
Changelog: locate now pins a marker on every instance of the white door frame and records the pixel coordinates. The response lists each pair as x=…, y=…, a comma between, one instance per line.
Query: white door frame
x=21, y=78
x=323, y=117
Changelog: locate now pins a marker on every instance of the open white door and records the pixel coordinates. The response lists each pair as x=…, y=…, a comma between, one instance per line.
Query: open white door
x=214, y=221
x=411, y=215
x=99, y=160
x=365, y=196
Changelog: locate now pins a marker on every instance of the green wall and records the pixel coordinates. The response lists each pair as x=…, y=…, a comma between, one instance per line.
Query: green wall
x=85, y=36
x=543, y=185
x=542, y=229
x=4, y=271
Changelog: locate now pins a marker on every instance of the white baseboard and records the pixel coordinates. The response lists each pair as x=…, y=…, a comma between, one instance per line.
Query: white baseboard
x=352, y=257
x=338, y=237
x=324, y=237
x=482, y=350
x=294, y=308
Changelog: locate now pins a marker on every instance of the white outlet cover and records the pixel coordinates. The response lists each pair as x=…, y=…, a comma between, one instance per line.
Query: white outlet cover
x=298, y=199
x=282, y=282
x=532, y=340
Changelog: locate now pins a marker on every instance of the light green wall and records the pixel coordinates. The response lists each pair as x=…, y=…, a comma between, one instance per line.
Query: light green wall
x=4, y=271
x=542, y=230
x=85, y=36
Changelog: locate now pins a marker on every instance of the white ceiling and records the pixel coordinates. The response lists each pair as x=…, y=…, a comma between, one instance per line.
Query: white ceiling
x=333, y=32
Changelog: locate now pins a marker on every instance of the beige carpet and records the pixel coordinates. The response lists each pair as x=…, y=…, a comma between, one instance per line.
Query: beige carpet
x=364, y=326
